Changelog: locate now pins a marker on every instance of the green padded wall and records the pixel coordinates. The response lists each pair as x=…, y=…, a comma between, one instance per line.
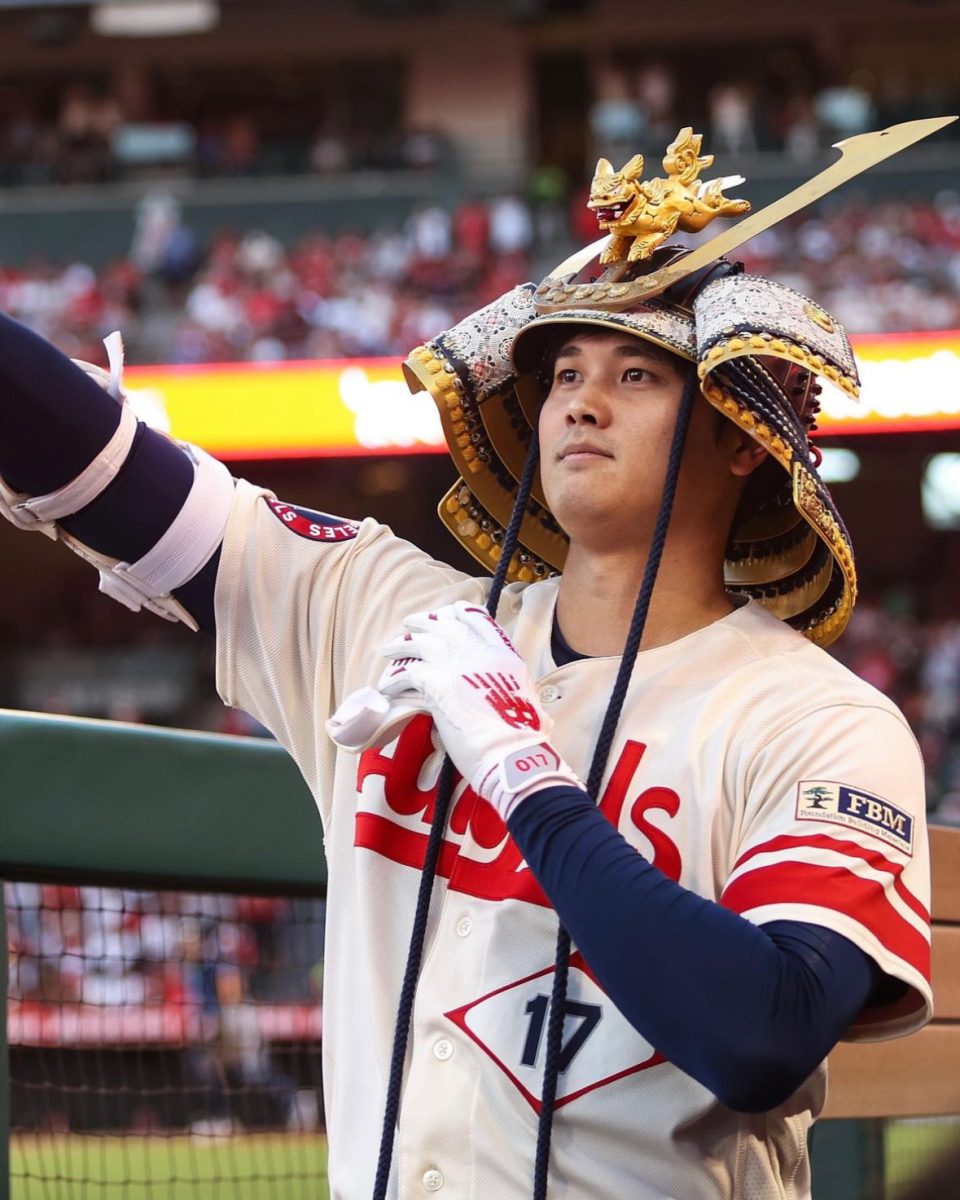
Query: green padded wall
x=96, y=798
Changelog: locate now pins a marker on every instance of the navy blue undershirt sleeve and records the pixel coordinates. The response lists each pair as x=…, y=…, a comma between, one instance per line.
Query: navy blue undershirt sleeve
x=54, y=420
x=747, y=1011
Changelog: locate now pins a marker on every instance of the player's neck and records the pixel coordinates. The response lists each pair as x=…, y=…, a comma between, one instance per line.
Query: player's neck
x=598, y=593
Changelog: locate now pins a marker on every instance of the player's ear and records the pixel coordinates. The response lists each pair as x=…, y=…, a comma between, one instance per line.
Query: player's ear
x=745, y=454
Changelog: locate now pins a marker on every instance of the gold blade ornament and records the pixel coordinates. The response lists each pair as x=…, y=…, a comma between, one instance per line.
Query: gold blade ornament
x=615, y=291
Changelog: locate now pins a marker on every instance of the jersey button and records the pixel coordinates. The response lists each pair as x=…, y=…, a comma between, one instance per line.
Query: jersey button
x=443, y=1049
x=432, y=1180
x=464, y=926
x=549, y=693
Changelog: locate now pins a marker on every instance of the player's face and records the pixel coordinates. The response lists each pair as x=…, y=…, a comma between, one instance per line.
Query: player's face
x=605, y=432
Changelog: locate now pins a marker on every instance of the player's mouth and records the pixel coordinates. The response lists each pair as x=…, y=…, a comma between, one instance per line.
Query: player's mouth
x=582, y=452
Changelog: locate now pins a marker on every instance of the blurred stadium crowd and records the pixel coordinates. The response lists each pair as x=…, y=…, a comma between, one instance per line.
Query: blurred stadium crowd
x=769, y=108
x=91, y=130
x=917, y=664
x=228, y=986
x=107, y=946
x=246, y=296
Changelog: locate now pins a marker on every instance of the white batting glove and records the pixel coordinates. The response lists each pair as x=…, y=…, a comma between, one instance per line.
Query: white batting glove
x=457, y=664
x=367, y=718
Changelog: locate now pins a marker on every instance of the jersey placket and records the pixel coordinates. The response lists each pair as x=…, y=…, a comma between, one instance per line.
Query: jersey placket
x=434, y=1146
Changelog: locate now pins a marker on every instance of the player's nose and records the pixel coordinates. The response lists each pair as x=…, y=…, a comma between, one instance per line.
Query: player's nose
x=588, y=405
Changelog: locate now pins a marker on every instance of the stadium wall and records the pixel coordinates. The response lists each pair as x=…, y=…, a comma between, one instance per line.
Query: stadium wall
x=98, y=800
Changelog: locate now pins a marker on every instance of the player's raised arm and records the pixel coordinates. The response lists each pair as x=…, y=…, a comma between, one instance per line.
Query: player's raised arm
x=77, y=465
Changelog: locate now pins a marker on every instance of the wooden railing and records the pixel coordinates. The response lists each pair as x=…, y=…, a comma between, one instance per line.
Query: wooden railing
x=919, y=1075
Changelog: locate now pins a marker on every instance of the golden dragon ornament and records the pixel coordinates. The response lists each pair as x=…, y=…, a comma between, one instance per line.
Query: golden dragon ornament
x=641, y=214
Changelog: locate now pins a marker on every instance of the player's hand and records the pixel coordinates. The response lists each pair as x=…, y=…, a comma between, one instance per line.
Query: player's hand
x=458, y=664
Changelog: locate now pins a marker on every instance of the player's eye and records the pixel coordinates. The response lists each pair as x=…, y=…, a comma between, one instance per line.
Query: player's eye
x=566, y=375
x=635, y=375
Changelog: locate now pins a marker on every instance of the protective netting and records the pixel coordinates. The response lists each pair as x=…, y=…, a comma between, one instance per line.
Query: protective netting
x=164, y=1044
x=912, y=1149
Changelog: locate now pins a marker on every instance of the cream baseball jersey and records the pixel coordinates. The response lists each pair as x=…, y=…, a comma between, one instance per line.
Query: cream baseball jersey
x=749, y=766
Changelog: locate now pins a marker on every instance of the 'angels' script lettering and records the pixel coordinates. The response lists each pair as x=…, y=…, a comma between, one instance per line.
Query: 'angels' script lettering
x=397, y=788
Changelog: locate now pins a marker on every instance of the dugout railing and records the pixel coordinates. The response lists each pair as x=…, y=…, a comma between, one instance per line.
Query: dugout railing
x=917, y=1076
x=99, y=802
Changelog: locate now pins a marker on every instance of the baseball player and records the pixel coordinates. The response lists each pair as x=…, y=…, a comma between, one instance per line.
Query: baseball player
x=728, y=825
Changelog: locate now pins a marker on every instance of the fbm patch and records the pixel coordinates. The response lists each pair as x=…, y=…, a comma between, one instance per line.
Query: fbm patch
x=314, y=526
x=823, y=800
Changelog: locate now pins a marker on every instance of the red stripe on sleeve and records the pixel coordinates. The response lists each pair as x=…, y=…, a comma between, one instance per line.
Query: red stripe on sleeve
x=841, y=846
x=863, y=900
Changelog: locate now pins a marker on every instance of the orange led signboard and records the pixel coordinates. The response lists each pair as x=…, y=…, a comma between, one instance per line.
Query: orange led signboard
x=340, y=407
x=910, y=382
